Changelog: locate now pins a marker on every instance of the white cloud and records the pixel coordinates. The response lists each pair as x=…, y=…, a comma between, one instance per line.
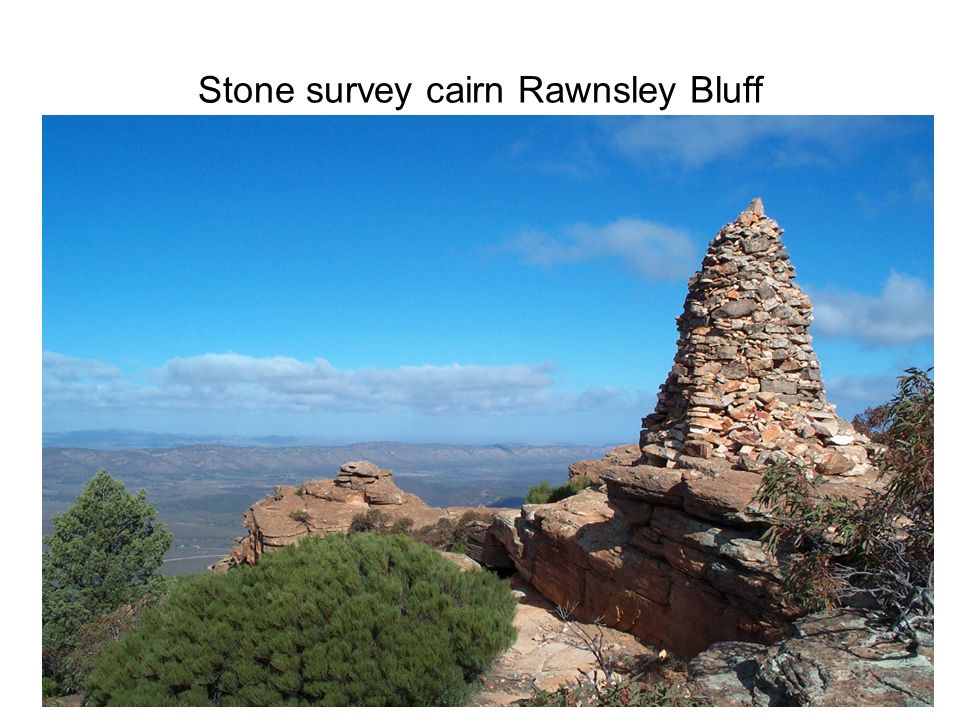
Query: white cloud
x=656, y=252
x=67, y=369
x=698, y=141
x=80, y=382
x=231, y=382
x=902, y=314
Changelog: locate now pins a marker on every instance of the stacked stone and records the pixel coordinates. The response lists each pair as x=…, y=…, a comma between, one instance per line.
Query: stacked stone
x=745, y=385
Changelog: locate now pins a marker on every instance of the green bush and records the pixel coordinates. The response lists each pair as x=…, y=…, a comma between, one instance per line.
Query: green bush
x=544, y=492
x=361, y=620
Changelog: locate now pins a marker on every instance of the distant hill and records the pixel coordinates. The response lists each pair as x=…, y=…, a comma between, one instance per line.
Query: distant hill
x=118, y=439
x=61, y=464
x=201, y=490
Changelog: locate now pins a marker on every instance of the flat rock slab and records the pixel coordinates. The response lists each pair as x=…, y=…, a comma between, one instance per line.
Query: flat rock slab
x=545, y=656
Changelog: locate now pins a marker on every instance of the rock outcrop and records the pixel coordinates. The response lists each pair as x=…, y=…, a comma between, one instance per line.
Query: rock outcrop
x=672, y=552
x=672, y=579
x=320, y=507
x=830, y=659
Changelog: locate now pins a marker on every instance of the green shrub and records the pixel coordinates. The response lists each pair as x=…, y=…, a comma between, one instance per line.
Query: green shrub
x=878, y=552
x=544, y=492
x=50, y=687
x=540, y=493
x=340, y=620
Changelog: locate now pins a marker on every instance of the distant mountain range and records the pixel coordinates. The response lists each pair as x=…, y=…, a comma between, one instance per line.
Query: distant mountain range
x=281, y=464
x=202, y=489
x=115, y=439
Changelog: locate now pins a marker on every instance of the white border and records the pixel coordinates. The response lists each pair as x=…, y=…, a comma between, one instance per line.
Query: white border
x=146, y=58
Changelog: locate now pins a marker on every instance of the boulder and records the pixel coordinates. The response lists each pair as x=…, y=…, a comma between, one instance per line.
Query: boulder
x=829, y=659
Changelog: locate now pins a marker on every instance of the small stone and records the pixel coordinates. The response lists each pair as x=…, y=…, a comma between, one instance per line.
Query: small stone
x=771, y=433
x=737, y=308
x=698, y=448
x=835, y=463
x=754, y=245
x=765, y=291
x=706, y=422
x=826, y=427
x=776, y=385
x=734, y=371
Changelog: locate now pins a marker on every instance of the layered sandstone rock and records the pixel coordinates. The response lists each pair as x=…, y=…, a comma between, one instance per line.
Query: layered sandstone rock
x=320, y=507
x=672, y=579
x=672, y=551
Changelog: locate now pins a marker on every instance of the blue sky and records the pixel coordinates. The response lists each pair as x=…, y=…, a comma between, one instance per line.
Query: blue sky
x=457, y=279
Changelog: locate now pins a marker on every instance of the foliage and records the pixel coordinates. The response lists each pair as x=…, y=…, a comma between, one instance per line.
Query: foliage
x=544, y=492
x=446, y=534
x=626, y=692
x=878, y=552
x=873, y=422
x=618, y=681
x=373, y=520
x=102, y=555
x=300, y=515
x=359, y=620
x=94, y=637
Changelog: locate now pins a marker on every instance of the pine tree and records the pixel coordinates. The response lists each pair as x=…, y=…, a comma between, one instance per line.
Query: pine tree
x=103, y=553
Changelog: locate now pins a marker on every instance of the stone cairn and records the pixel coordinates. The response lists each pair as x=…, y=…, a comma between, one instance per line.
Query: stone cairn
x=745, y=384
x=671, y=549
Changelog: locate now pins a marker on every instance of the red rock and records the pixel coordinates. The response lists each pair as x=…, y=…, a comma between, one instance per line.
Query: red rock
x=835, y=463
x=645, y=483
x=727, y=497
x=771, y=433
x=329, y=506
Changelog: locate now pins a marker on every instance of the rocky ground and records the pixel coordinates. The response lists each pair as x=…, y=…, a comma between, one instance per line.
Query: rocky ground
x=833, y=658
x=546, y=655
